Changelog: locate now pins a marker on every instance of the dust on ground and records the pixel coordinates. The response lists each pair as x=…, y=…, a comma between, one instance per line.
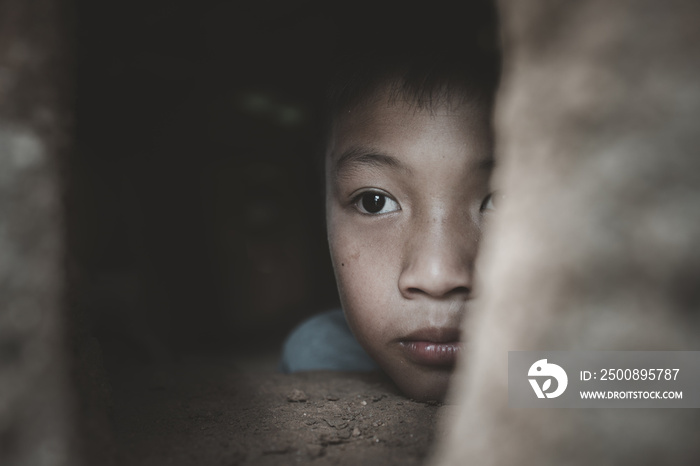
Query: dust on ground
x=208, y=412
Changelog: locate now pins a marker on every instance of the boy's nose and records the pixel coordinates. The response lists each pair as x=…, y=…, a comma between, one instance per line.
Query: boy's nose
x=439, y=262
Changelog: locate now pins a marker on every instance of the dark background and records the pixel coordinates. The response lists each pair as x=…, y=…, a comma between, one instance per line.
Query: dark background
x=199, y=199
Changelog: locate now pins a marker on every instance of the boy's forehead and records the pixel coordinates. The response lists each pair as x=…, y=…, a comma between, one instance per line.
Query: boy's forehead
x=404, y=139
x=396, y=120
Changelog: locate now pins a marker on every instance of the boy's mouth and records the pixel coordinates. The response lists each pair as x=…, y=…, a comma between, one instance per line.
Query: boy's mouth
x=432, y=346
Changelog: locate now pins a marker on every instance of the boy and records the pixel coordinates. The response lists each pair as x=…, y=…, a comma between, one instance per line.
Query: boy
x=407, y=169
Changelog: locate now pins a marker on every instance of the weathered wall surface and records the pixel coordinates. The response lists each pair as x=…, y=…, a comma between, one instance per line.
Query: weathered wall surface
x=35, y=423
x=596, y=246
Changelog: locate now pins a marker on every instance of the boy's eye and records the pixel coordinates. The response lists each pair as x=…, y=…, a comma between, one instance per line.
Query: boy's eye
x=373, y=202
x=491, y=202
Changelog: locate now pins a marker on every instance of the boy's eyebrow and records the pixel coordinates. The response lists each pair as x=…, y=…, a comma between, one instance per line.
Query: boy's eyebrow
x=366, y=156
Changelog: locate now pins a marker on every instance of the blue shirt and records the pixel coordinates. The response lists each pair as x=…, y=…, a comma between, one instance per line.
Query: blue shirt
x=324, y=342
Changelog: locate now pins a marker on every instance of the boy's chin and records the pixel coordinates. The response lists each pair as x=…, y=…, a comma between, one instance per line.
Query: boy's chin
x=424, y=385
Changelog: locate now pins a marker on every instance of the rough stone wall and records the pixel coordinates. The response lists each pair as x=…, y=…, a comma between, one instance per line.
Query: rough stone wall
x=596, y=245
x=35, y=399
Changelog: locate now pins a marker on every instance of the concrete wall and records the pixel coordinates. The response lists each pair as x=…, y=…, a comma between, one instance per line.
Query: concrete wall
x=596, y=245
x=36, y=427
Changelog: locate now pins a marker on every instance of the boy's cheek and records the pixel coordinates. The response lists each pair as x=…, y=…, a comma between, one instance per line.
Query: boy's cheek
x=365, y=269
x=361, y=289
x=364, y=244
x=364, y=278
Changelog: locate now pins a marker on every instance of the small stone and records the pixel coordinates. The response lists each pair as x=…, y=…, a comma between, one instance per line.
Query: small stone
x=297, y=396
x=363, y=403
x=332, y=398
x=338, y=424
x=377, y=423
x=376, y=398
x=356, y=432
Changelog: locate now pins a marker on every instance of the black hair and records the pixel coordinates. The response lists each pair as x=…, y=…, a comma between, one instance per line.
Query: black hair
x=426, y=56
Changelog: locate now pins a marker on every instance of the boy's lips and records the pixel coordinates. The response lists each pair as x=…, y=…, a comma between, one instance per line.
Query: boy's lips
x=432, y=346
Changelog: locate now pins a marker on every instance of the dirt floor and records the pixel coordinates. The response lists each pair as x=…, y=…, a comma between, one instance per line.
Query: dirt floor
x=225, y=412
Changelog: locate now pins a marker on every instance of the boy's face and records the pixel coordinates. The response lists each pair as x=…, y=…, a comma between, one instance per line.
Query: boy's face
x=407, y=198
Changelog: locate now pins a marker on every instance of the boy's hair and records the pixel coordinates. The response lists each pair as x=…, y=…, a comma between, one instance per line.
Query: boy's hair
x=424, y=57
